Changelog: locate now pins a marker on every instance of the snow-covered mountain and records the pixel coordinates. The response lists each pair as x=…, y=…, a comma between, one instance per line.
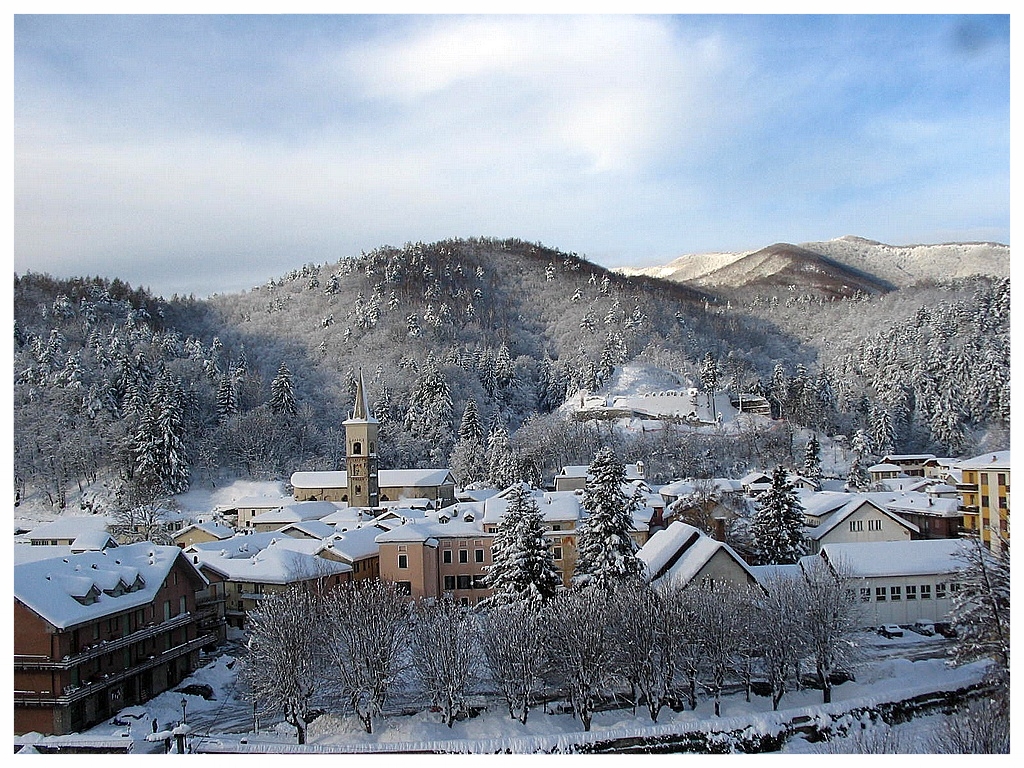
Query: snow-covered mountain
x=842, y=265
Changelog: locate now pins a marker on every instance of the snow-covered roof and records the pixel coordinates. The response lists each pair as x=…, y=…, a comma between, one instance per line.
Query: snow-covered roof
x=277, y=563
x=27, y=553
x=428, y=530
x=217, y=530
x=93, y=541
x=908, y=457
x=678, y=488
x=766, y=574
x=680, y=551
x=68, y=527
x=314, y=529
x=555, y=506
x=883, y=467
x=257, y=502
x=922, y=503
x=632, y=471
x=296, y=512
x=386, y=478
x=49, y=587
x=896, y=558
x=752, y=478
x=993, y=460
x=355, y=543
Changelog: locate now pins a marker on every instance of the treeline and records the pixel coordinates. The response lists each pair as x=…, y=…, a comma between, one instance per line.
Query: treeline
x=352, y=649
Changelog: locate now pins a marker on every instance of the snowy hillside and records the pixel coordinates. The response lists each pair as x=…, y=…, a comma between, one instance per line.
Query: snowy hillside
x=905, y=265
x=899, y=265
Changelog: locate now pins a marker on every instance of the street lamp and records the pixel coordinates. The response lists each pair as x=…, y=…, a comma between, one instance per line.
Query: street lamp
x=184, y=703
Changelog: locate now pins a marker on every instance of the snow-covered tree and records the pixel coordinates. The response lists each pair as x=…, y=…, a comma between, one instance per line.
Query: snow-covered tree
x=777, y=524
x=523, y=568
x=158, y=445
x=781, y=632
x=858, y=478
x=471, y=428
x=644, y=621
x=514, y=638
x=981, y=606
x=709, y=374
x=367, y=625
x=606, y=554
x=430, y=412
x=227, y=398
x=285, y=665
x=444, y=654
x=503, y=468
x=812, y=460
x=833, y=616
x=282, y=392
x=582, y=647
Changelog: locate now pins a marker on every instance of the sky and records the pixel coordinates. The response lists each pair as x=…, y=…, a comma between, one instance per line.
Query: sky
x=203, y=154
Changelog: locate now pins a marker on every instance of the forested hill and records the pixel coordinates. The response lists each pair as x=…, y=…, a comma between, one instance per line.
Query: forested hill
x=115, y=386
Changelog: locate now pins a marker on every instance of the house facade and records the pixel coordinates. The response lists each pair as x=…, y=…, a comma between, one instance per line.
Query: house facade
x=984, y=490
x=98, y=631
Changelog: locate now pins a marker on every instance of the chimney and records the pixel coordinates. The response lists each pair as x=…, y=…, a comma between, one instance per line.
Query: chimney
x=720, y=528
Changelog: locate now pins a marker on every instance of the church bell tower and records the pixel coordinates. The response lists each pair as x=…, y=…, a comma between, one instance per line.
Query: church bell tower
x=361, y=452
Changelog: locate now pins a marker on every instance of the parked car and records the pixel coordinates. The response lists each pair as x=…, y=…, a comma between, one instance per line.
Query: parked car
x=945, y=629
x=925, y=628
x=890, y=630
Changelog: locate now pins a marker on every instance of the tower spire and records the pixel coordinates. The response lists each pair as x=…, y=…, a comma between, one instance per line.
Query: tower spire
x=361, y=408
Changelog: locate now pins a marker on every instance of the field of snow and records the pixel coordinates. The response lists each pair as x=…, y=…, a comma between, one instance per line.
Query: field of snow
x=224, y=722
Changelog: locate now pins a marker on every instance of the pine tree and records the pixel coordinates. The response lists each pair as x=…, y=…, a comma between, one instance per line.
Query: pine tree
x=282, y=392
x=430, y=410
x=776, y=526
x=227, y=398
x=812, y=460
x=502, y=462
x=471, y=427
x=606, y=554
x=523, y=566
x=158, y=445
x=709, y=378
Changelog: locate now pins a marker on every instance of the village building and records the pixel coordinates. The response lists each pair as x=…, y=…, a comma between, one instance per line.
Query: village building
x=900, y=582
x=683, y=554
x=241, y=512
x=985, y=497
x=95, y=632
x=296, y=512
x=834, y=518
x=202, y=532
x=65, y=530
x=574, y=478
x=910, y=464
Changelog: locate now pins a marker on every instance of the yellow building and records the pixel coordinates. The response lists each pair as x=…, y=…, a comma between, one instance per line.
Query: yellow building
x=985, y=496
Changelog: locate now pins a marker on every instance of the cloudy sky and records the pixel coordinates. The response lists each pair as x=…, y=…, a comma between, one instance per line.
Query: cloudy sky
x=202, y=154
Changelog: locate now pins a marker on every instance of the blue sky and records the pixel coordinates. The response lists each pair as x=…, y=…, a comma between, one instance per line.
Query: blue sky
x=202, y=154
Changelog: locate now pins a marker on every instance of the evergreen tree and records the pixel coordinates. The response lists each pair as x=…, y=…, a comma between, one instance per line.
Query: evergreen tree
x=471, y=428
x=282, y=392
x=227, y=398
x=812, y=460
x=502, y=462
x=523, y=566
x=606, y=554
x=776, y=526
x=158, y=447
x=709, y=374
x=430, y=410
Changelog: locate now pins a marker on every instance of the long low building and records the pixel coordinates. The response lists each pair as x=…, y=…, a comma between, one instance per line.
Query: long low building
x=437, y=485
x=901, y=581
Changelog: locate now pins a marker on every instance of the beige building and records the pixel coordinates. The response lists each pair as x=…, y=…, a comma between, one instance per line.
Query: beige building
x=841, y=518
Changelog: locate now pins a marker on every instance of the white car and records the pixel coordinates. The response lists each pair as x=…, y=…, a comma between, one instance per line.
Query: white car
x=890, y=630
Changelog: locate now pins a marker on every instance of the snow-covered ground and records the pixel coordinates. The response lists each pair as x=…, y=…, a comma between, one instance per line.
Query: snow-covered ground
x=225, y=721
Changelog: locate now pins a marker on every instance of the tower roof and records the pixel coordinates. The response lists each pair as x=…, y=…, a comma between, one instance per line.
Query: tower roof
x=361, y=407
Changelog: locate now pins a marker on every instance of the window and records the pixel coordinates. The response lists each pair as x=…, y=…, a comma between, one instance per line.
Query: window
x=911, y=592
x=478, y=555
x=856, y=525
x=874, y=525
x=404, y=587
x=182, y=605
x=865, y=594
x=1001, y=478
x=879, y=594
x=357, y=448
x=449, y=583
x=926, y=591
x=984, y=499
x=463, y=555
x=557, y=552
x=940, y=591
x=556, y=527
x=464, y=581
x=403, y=561
x=479, y=582
x=446, y=556
x=954, y=587
x=894, y=593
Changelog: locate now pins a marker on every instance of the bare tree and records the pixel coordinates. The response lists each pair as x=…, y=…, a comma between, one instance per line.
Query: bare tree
x=833, y=615
x=721, y=624
x=981, y=607
x=367, y=626
x=690, y=639
x=644, y=624
x=582, y=646
x=782, y=633
x=140, y=513
x=284, y=669
x=980, y=728
x=444, y=654
x=514, y=643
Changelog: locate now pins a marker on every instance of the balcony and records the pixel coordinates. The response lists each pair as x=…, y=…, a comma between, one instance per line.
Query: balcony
x=72, y=694
x=24, y=662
